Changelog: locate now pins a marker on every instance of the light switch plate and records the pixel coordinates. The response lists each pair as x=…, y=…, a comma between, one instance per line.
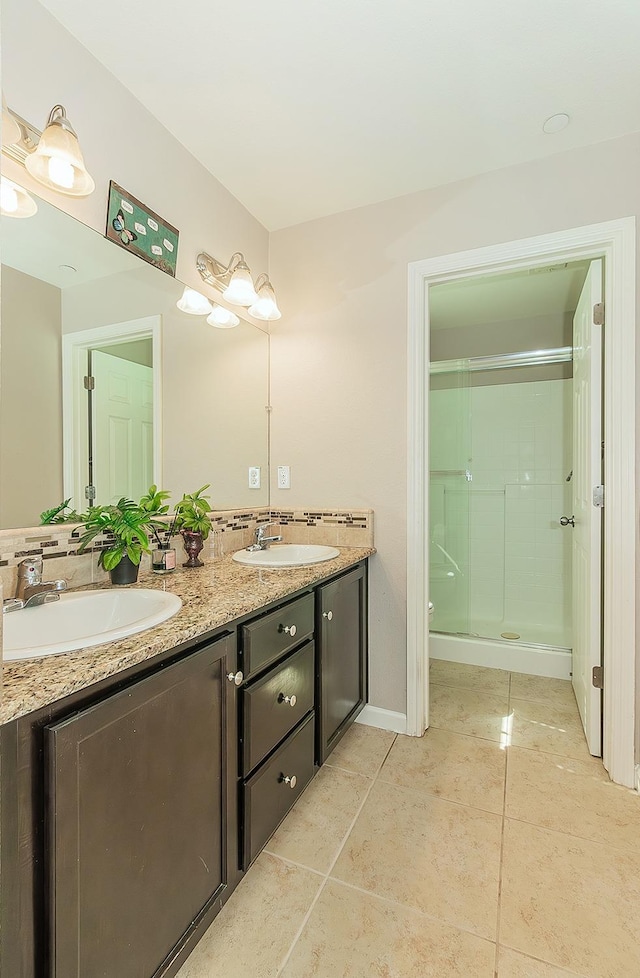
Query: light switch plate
x=284, y=477
x=254, y=477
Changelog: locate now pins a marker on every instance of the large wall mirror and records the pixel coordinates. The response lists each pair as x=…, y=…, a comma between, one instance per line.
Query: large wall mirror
x=170, y=399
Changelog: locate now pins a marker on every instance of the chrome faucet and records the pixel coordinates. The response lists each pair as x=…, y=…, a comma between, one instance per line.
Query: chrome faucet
x=261, y=541
x=31, y=590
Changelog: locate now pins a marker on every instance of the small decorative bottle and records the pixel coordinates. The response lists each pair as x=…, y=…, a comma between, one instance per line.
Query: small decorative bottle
x=163, y=560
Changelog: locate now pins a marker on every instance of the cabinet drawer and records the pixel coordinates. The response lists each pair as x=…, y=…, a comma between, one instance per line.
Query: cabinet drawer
x=274, y=704
x=267, y=638
x=268, y=797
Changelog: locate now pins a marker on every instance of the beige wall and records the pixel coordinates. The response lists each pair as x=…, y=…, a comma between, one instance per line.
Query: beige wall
x=339, y=353
x=31, y=417
x=43, y=64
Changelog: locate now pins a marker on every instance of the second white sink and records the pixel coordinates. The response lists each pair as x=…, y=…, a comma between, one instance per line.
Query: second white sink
x=286, y=555
x=84, y=618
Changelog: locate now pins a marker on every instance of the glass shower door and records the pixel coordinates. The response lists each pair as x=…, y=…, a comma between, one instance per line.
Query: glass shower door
x=449, y=497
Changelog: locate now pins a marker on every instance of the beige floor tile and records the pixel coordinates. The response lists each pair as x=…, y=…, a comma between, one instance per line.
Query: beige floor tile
x=353, y=935
x=468, y=677
x=468, y=711
x=556, y=692
x=461, y=769
x=572, y=796
x=252, y=935
x=514, y=965
x=553, y=729
x=314, y=829
x=428, y=854
x=362, y=749
x=572, y=903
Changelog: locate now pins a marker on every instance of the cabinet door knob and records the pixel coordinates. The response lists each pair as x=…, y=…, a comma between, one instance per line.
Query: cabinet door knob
x=328, y=615
x=235, y=677
x=289, y=630
x=291, y=781
x=291, y=700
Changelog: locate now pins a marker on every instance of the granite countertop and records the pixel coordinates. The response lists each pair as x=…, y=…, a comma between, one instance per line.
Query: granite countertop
x=212, y=596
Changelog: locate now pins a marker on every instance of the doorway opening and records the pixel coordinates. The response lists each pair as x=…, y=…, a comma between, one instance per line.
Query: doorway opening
x=112, y=412
x=614, y=243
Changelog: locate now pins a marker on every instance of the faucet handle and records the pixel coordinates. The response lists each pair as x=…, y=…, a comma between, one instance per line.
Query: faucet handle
x=30, y=570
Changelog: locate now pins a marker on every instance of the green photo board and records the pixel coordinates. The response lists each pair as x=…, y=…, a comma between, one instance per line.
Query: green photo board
x=134, y=227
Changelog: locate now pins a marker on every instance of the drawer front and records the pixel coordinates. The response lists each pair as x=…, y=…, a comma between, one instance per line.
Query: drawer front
x=268, y=797
x=265, y=640
x=274, y=704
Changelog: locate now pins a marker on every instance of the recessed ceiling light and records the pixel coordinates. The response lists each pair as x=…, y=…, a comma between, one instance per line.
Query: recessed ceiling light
x=556, y=123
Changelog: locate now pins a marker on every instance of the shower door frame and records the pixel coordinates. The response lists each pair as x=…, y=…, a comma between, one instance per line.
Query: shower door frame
x=615, y=241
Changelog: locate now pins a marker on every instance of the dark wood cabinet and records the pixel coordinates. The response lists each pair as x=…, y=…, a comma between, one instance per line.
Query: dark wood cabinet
x=137, y=818
x=341, y=629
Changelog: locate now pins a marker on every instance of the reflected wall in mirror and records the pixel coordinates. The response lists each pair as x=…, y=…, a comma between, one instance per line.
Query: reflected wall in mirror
x=179, y=399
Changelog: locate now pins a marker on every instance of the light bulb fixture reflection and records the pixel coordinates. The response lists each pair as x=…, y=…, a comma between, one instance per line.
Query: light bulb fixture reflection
x=193, y=303
x=14, y=201
x=11, y=132
x=57, y=162
x=265, y=307
x=222, y=318
x=240, y=290
x=233, y=280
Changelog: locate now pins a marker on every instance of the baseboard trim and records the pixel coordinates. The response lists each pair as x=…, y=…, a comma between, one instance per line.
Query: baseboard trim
x=375, y=716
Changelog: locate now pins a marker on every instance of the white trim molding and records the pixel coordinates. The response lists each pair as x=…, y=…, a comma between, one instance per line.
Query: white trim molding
x=74, y=361
x=615, y=241
x=375, y=716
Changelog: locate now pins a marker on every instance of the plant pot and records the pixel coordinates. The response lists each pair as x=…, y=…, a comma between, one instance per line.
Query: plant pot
x=126, y=572
x=193, y=544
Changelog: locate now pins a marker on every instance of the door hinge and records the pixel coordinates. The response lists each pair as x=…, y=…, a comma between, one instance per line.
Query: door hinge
x=598, y=314
x=90, y=492
x=598, y=497
x=597, y=677
x=89, y=383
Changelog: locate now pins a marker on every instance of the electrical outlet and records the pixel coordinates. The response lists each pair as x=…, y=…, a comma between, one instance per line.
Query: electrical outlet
x=254, y=477
x=284, y=477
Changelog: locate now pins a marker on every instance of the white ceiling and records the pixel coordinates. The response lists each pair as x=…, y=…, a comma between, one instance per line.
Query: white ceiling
x=511, y=296
x=304, y=109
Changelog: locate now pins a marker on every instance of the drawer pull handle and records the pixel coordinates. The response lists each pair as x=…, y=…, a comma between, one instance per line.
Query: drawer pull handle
x=289, y=630
x=328, y=615
x=235, y=677
x=291, y=781
x=291, y=700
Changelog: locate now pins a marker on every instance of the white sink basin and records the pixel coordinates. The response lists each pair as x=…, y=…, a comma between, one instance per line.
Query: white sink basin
x=82, y=619
x=286, y=555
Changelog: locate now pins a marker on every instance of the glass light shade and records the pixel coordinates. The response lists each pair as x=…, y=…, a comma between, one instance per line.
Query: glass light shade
x=11, y=132
x=194, y=303
x=240, y=290
x=14, y=201
x=222, y=318
x=265, y=307
x=57, y=162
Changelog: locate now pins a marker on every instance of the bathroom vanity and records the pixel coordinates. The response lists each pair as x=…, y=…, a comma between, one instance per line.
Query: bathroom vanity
x=132, y=805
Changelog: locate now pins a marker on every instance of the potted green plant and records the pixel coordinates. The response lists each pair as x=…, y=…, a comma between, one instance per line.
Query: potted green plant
x=130, y=523
x=192, y=521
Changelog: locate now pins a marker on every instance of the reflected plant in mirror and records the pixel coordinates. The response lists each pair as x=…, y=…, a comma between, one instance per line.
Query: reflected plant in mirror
x=101, y=377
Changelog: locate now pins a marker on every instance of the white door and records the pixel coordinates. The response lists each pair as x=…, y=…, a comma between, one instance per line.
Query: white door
x=587, y=532
x=122, y=411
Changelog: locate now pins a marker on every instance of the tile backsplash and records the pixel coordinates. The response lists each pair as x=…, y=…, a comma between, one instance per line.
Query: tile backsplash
x=231, y=530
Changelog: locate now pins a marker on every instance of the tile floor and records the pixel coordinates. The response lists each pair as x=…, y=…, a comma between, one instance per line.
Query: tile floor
x=493, y=846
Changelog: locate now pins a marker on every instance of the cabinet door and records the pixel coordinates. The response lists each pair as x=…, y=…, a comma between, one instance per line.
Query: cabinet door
x=137, y=818
x=342, y=656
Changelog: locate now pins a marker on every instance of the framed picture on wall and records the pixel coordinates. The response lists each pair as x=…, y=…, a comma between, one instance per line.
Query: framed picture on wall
x=141, y=231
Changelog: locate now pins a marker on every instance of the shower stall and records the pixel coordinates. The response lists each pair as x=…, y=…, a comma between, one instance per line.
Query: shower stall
x=500, y=481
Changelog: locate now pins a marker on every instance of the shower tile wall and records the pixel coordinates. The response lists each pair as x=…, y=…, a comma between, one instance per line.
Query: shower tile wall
x=519, y=557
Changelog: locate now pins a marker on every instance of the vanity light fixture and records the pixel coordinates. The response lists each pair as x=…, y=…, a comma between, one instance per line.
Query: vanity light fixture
x=222, y=318
x=57, y=161
x=265, y=307
x=235, y=282
x=14, y=201
x=194, y=303
x=11, y=131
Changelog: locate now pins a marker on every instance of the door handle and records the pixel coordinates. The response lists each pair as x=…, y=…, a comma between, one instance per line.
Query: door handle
x=567, y=521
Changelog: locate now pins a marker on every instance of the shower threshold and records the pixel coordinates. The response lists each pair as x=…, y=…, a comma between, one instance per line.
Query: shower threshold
x=532, y=658
x=502, y=641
